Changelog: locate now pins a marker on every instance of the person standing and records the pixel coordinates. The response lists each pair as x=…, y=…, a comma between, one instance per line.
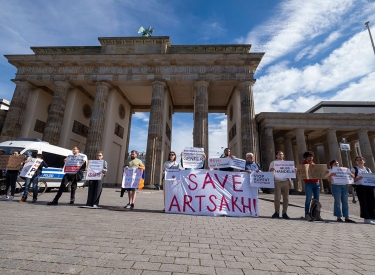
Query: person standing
x=10, y=181
x=365, y=193
x=227, y=154
x=96, y=186
x=251, y=165
x=171, y=163
x=34, y=179
x=282, y=186
x=73, y=178
x=133, y=162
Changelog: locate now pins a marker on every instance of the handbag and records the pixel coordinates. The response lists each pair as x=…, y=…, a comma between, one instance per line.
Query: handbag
x=79, y=175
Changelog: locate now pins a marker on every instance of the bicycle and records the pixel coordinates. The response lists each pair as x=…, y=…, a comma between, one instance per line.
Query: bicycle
x=42, y=187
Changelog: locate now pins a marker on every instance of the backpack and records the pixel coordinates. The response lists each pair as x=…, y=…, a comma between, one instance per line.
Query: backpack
x=315, y=210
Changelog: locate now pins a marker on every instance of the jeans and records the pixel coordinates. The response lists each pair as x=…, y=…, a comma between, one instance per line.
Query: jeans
x=311, y=188
x=34, y=179
x=10, y=181
x=340, y=195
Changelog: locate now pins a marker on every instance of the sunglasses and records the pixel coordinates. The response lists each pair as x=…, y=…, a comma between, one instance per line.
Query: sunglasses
x=171, y=154
x=99, y=155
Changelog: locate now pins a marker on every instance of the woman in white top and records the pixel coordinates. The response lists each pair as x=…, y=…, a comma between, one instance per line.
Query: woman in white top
x=171, y=163
x=365, y=193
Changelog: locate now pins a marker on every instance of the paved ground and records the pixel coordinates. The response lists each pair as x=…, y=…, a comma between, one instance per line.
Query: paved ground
x=40, y=239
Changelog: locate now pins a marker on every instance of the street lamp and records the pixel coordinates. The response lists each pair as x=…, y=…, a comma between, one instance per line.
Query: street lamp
x=345, y=146
x=369, y=32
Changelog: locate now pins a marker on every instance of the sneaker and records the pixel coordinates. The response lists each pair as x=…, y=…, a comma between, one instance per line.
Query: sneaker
x=349, y=220
x=4, y=198
x=127, y=206
x=276, y=215
x=339, y=220
x=368, y=221
x=10, y=198
x=71, y=202
x=52, y=202
x=22, y=200
x=163, y=211
x=285, y=216
x=34, y=200
x=308, y=218
x=354, y=201
x=132, y=206
x=94, y=206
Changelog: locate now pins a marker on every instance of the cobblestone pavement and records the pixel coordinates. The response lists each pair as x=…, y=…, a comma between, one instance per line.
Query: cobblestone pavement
x=41, y=239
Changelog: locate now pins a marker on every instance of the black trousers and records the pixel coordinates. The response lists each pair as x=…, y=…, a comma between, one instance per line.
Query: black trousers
x=67, y=178
x=366, y=201
x=95, y=190
x=10, y=181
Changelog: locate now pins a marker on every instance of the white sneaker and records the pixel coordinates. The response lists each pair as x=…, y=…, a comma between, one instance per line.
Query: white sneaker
x=368, y=221
x=10, y=198
x=4, y=198
x=94, y=206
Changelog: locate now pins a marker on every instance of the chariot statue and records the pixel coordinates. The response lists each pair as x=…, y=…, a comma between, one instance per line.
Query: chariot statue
x=146, y=32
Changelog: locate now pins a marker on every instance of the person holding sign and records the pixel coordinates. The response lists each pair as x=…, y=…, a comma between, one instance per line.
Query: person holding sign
x=365, y=193
x=73, y=173
x=282, y=186
x=340, y=194
x=10, y=181
x=251, y=165
x=170, y=164
x=133, y=162
x=227, y=154
x=96, y=186
x=34, y=179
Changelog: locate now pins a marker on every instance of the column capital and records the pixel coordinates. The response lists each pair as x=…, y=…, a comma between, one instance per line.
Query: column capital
x=244, y=83
x=331, y=130
x=201, y=82
x=104, y=83
x=63, y=83
x=23, y=83
x=362, y=130
x=159, y=82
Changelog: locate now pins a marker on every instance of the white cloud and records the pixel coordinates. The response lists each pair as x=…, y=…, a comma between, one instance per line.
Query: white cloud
x=144, y=117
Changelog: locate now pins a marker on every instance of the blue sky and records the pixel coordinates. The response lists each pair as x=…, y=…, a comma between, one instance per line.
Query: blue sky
x=315, y=50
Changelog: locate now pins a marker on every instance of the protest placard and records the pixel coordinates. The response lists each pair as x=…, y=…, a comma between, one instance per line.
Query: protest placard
x=211, y=193
x=131, y=177
x=30, y=168
x=73, y=163
x=11, y=162
x=368, y=179
x=342, y=177
x=95, y=170
x=284, y=169
x=193, y=157
x=238, y=164
x=312, y=171
x=262, y=180
x=217, y=163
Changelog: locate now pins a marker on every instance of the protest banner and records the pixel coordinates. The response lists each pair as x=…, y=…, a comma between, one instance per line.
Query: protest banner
x=211, y=193
x=262, y=180
x=284, y=169
x=11, y=162
x=95, y=170
x=73, y=163
x=238, y=164
x=312, y=171
x=193, y=157
x=217, y=163
x=343, y=176
x=131, y=177
x=30, y=168
x=368, y=179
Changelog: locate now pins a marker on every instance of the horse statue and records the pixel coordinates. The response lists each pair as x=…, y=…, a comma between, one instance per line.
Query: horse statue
x=146, y=32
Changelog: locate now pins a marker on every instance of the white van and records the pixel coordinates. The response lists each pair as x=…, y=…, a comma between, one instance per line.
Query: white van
x=53, y=155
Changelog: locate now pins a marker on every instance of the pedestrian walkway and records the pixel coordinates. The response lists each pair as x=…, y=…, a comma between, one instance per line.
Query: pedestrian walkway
x=66, y=239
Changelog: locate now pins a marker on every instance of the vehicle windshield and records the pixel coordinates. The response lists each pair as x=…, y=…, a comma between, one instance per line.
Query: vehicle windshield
x=9, y=150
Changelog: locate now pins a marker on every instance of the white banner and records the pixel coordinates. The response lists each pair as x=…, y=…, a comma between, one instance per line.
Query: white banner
x=73, y=163
x=211, y=193
x=95, y=170
x=30, y=168
x=262, y=180
x=131, y=177
x=368, y=179
x=284, y=169
x=216, y=163
x=193, y=157
x=342, y=177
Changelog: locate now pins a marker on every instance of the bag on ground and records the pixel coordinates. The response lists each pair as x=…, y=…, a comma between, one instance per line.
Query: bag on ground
x=315, y=209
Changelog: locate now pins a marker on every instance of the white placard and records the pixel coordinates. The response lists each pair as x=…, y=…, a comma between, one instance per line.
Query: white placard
x=30, y=168
x=262, y=180
x=193, y=157
x=238, y=164
x=73, y=163
x=368, y=179
x=342, y=177
x=344, y=146
x=95, y=170
x=131, y=177
x=235, y=163
x=284, y=169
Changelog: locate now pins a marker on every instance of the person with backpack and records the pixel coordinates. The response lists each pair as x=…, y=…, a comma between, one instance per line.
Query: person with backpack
x=340, y=195
x=365, y=193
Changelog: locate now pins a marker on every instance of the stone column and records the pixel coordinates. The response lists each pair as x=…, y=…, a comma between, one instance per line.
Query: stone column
x=200, y=131
x=249, y=133
x=270, y=147
x=128, y=135
x=155, y=136
x=55, y=117
x=364, y=143
x=14, y=118
x=353, y=152
x=96, y=128
x=333, y=146
x=301, y=143
x=288, y=148
x=372, y=141
x=316, y=154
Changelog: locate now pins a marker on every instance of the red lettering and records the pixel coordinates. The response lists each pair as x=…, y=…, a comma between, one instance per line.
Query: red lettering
x=236, y=182
x=225, y=180
x=200, y=201
x=208, y=180
x=246, y=206
x=196, y=184
x=234, y=204
x=224, y=202
x=174, y=203
x=187, y=203
x=214, y=203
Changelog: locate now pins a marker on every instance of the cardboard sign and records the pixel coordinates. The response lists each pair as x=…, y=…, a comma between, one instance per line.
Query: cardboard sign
x=312, y=171
x=11, y=162
x=262, y=180
x=235, y=163
x=30, y=168
x=95, y=170
x=342, y=177
x=73, y=163
x=368, y=179
x=193, y=157
x=284, y=169
x=131, y=177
